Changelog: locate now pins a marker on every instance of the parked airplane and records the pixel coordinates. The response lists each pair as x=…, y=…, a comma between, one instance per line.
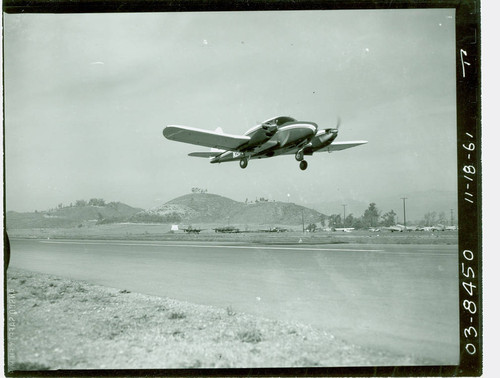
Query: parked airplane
x=227, y=230
x=276, y=136
x=275, y=229
x=401, y=228
x=396, y=228
x=191, y=230
x=344, y=229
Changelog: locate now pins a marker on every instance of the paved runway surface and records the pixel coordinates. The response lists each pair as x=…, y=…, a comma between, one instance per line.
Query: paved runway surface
x=400, y=298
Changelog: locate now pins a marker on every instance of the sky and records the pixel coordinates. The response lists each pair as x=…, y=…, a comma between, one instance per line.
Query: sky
x=87, y=97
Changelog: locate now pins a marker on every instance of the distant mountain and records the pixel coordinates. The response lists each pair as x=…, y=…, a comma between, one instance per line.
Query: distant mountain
x=71, y=216
x=212, y=208
x=418, y=203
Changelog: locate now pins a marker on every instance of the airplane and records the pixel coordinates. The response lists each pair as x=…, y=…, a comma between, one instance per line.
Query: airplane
x=191, y=230
x=275, y=229
x=401, y=228
x=344, y=229
x=396, y=228
x=281, y=135
x=227, y=230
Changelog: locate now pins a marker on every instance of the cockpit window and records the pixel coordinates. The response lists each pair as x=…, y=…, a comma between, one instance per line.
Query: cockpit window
x=279, y=120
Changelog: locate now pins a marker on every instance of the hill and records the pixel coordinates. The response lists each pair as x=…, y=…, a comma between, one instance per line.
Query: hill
x=191, y=208
x=212, y=208
x=194, y=207
x=273, y=213
x=71, y=216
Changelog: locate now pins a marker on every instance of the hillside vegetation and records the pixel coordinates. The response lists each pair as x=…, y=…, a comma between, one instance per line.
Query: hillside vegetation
x=200, y=209
x=210, y=208
x=71, y=216
x=191, y=208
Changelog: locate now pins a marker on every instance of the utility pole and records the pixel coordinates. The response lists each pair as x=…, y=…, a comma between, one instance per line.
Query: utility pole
x=451, y=216
x=404, y=211
x=344, y=214
x=303, y=229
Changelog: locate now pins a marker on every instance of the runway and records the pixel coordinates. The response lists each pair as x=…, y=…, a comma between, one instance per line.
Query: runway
x=399, y=298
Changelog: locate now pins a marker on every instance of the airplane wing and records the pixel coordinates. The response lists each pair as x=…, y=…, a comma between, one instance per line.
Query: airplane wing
x=205, y=154
x=337, y=146
x=205, y=138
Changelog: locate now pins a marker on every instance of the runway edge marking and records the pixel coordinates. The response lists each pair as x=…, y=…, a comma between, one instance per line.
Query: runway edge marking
x=233, y=246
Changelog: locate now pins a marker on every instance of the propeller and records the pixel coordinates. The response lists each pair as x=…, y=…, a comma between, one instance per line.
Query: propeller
x=331, y=131
x=337, y=127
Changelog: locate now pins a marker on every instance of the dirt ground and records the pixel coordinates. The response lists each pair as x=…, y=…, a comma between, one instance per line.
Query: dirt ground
x=56, y=323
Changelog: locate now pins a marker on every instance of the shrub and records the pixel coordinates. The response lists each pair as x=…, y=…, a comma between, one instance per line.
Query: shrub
x=254, y=336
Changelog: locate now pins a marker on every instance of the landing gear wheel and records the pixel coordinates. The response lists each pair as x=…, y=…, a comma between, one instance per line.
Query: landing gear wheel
x=299, y=156
x=303, y=165
x=243, y=163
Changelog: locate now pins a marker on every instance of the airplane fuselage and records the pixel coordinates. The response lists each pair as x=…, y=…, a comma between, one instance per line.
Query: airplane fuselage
x=272, y=141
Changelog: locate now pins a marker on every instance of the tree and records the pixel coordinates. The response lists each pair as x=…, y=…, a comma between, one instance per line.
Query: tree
x=322, y=220
x=311, y=227
x=334, y=220
x=442, y=218
x=388, y=219
x=349, y=221
x=356, y=223
x=430, y=218
x=81, y=203
x=97, y=202
x=370, y=216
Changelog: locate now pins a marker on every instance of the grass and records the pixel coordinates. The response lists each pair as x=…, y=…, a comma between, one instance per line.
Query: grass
x=161, y=232
x=56, y=323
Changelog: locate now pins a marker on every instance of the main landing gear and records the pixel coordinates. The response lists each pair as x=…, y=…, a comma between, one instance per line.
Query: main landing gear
x=243, y=163
x=299, y=156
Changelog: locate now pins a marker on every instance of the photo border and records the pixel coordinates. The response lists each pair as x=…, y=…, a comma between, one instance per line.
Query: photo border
x=469, y=175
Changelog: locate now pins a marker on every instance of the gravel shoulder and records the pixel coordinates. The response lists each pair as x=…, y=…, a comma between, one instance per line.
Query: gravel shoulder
x=56, y=323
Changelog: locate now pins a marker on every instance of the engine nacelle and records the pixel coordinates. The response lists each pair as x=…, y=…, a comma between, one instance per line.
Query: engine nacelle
x=322, y=139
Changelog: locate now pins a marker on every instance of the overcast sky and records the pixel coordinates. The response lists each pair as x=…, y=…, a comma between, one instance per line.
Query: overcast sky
x=87, y=97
